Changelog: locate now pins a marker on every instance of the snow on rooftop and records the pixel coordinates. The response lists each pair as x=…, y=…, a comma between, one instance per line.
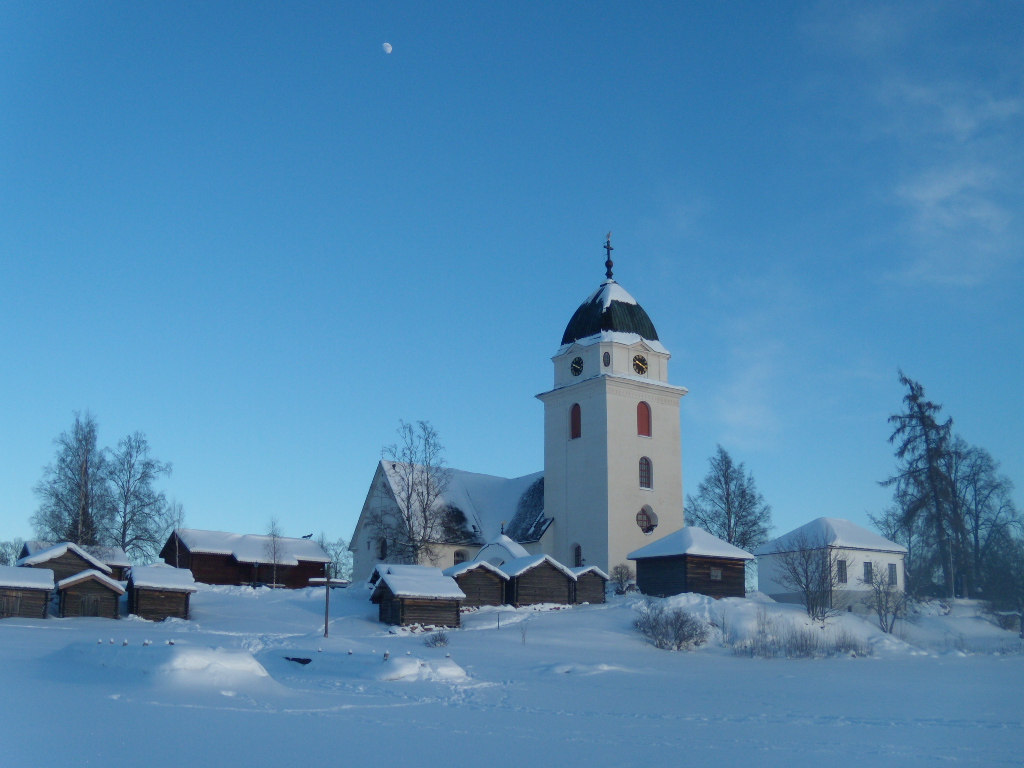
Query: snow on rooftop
x=163, y=577
x=590, y=569
x=13, y=577
x=426, y=582
x=472, y=565
x=831, y=531
x=619, y=337
x=51, y=553
x=110, y=555
x=501, y=548
x=690, y=541
x=92, y=573
x=521, y=565
x=252, y=547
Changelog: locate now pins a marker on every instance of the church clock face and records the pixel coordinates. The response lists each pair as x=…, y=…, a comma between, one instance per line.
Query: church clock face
x=577, y=366
x=640, y=365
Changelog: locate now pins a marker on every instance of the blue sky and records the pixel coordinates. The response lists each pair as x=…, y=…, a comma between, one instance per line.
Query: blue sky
x=248, y=232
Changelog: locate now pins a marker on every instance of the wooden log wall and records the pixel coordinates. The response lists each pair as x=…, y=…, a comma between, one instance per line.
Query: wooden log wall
x=24, y=603
x=541, y=584
x=66, y=565
x=698, y=576
x=481, y=587
x=661, y=576
x=440, y=613
x=158, y=604
x=73, y=597
x=590, y=588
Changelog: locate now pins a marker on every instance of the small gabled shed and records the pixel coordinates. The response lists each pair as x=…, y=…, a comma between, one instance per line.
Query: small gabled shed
x=691, y=560
x=25, y=592
x=89, y=593
x=158, y=592
x=113, y=557
x=483, y=583
x=64, y=560
x=427, y=598
x=591, y=584
x=538, y=579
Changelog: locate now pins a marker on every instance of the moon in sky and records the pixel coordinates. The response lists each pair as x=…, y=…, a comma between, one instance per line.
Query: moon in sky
x=387, y=47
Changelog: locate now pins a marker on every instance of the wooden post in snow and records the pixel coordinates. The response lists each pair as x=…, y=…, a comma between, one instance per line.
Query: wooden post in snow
x=327, y=599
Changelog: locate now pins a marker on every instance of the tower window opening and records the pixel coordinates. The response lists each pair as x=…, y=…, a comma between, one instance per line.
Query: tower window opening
x=577, y=556
x=646, y=473
x=646, y=520
x=643, y=419
x=575, y=422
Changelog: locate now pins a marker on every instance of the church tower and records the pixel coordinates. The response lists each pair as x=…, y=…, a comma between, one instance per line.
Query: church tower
x=613, y=478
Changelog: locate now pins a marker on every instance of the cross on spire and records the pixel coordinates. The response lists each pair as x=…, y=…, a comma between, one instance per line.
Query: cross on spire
x=608, y=249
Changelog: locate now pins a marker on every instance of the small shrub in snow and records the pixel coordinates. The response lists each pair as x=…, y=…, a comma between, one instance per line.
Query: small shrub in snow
x=771, y=640
x=621, y=575
x=437, y=639
x=670, y=628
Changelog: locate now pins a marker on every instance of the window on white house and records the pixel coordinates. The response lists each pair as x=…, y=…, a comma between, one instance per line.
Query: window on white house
x=841, y=571
x=867, y=573
x=460, y=556
x=892, y=574
x=716, y=574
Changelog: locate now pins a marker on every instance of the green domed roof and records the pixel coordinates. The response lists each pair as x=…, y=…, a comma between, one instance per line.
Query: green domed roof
x=609, y=309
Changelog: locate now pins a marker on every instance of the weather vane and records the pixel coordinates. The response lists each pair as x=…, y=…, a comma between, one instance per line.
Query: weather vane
x=608, y=249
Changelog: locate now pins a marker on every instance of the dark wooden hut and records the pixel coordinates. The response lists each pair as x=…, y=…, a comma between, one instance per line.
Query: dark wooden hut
x=428, y=598
x=691, y=560
x=114, y=558
x=64, y=560
x=158, y=592
x=217, y=557
x=483, y=583
x=25, y=592
x=591, y=584
x=89, y=593
x=538, y=579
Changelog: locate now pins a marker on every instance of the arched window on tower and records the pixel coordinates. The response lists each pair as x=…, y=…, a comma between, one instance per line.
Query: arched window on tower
x=646, y=473
x=575, y=422
x=577, y=556
x=643, y=419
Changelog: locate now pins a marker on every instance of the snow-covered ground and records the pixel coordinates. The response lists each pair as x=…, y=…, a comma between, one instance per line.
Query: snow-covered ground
x=569, y=687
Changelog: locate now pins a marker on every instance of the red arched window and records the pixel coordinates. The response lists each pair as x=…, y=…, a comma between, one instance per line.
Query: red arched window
x=646, y=474
x=643, y=419
x=575, y=428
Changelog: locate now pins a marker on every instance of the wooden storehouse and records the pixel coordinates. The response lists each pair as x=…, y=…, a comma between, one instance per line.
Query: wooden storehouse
x=25, y=592
x=114, y=558
x=591, y=584
x=216, y=557
x=65, y=560
x=691, y=560
x=426, y=597
x=89, y=593
x=538, y=579
x=158, y=592
x=483, y=583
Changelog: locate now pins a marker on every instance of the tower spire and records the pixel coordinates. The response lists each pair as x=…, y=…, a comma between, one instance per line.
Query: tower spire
x=608, y=249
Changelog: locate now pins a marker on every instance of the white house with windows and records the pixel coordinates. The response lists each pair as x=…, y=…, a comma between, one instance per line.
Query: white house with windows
x=860, y=556
x=612, y=479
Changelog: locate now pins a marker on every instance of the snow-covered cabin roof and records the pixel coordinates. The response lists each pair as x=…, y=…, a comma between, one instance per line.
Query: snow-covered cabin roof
x=590, y=569
x=110, y=555
x=422, y=582
x=50, y=553
x=521, y=565
x=488, y=501
x=501, y=549
x=252, y=547
x=13, y=577
x=472, y=565
x=91, y=575
x=832, y=532
x=382, y=569
x=162, y=577
x=611, y=310
x=690, y=541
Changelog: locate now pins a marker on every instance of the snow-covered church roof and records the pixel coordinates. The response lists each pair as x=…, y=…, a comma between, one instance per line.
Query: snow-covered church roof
x=610, y=314
x=690, y=541
x=500, y=550
x=833, y=532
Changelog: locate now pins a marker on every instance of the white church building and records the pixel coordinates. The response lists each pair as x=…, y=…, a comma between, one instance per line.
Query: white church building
x=612, y=479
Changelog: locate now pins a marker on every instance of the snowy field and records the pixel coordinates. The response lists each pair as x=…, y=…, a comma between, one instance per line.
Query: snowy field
x=576, y=687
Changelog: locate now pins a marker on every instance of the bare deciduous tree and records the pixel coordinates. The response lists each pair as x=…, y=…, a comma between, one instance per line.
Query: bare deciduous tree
x=139, y=512
x=341, y=557
x=621, y=575
x=414, y=518
x=812, y=569
x=74, y=492
x=728, y=505
x=9, y=551
x=274, y=549
x=889, y=602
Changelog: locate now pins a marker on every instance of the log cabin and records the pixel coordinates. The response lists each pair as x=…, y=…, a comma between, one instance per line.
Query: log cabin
x=427, y=597
x=113, y=557
x=158, y=592
x=591, y=584
x=25, y=592
x=538, y=579
x=483, y=583
x=64, y=560
x=691, y=560
x=89, y=593
x=217, y=557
